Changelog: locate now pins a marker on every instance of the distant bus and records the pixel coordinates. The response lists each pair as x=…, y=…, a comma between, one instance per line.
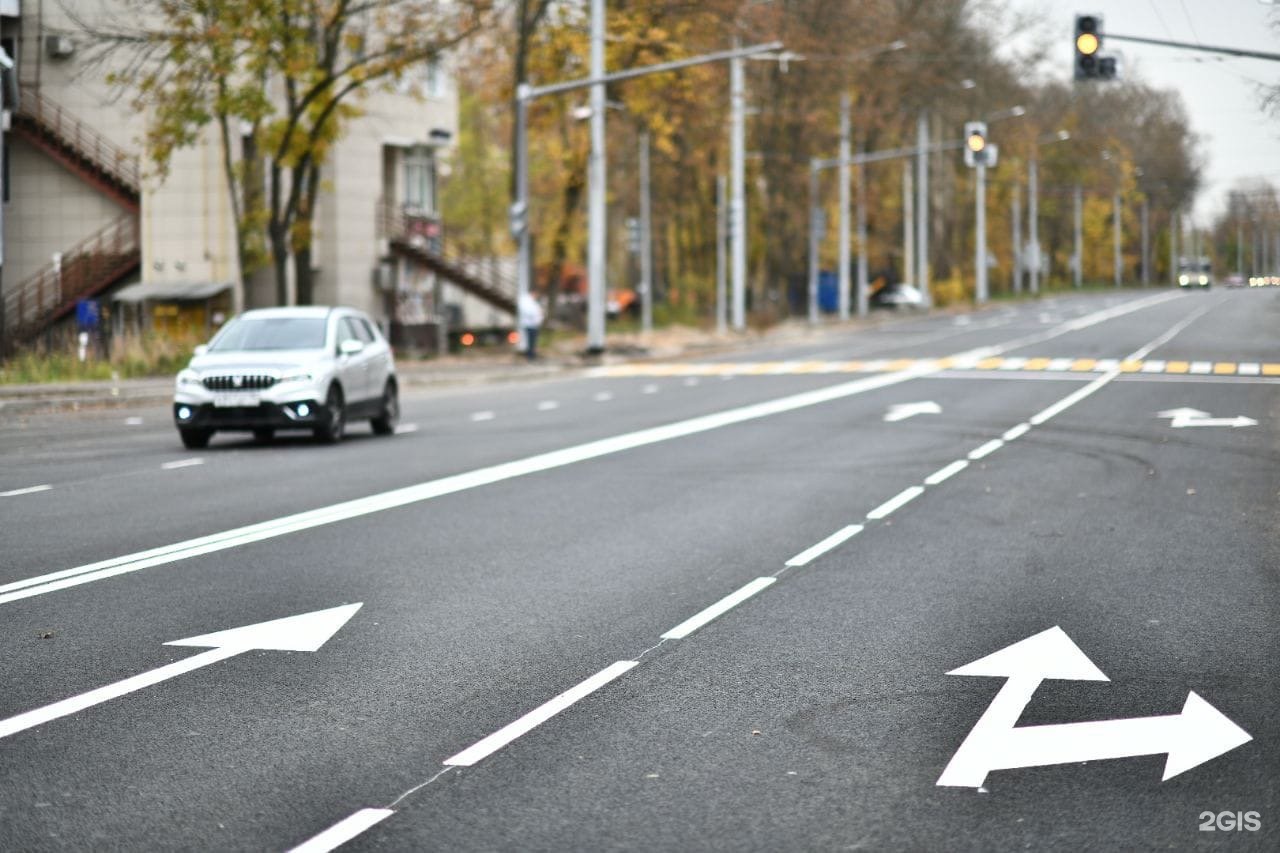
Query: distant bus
x=1195, y=272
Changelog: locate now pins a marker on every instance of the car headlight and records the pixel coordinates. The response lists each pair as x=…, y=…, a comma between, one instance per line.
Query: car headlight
x=1184, y=279
x=1204, y=279
x=187, y=378
x=295, y=376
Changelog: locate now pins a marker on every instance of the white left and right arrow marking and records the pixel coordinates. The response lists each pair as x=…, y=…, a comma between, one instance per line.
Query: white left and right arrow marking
x=1196, y=735
x=306, y=632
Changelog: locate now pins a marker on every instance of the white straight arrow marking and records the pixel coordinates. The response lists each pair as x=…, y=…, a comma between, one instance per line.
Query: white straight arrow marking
x=902, y=411
x=1190, y=738
x=303, y=633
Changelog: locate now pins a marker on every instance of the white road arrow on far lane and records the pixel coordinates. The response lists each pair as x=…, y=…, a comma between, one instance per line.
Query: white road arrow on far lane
x=1179, y=418
x=1196, y=735
x=902, y=411
x=306, y=632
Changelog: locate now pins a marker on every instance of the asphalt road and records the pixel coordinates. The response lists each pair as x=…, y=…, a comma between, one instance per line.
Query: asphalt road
x=698, y=605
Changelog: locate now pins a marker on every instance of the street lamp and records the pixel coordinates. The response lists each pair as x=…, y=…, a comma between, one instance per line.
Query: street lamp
x=1033, y=212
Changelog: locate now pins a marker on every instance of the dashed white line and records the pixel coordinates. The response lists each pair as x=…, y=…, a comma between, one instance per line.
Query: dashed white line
x=29, y=490
x=482, y=416
x=987, y=449
x=133, y=421
x=649, y=389
x=482, y=749
x=810, y=554
x=691, y=381
x=342, y=832
x=945, y=473
x=722, y=606
x=902, y=498
x=548, y=406
x=406, y=429
x=183, y=463
x=1071, y=399
x=1016, y=432
x=603, y=396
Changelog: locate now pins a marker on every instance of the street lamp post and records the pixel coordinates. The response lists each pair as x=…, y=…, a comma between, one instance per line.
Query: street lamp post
x=1033, y=212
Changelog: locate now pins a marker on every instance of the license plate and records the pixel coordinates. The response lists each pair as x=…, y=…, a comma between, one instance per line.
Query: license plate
x=236, y=400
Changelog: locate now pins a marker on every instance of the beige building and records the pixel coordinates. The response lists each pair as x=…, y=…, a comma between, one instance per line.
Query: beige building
x=85, y=218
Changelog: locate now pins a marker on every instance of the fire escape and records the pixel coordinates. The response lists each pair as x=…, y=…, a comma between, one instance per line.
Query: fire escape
x=98, y=261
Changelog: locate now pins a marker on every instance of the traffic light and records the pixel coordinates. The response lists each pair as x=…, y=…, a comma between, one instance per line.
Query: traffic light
x=975, y=143
x=1087, y=44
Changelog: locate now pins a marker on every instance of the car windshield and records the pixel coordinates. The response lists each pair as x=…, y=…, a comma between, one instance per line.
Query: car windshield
x=271, y=333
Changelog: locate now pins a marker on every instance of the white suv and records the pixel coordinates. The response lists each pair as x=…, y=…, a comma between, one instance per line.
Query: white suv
x=307, y=368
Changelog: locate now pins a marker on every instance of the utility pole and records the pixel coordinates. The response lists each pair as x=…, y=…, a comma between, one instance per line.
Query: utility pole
x=814, y=214
x=908, y=229
x=1077, y=219
x=1115, y=229
x=862, y=235
x=980, y=241
x=646, y=240
x=1016, y=220
x=1146, y=243
x=922, y=209
x=843, y=220
x=1173, y=248
x=722, y=277
x=1033, y=225
x=737, y=190
x=597, y=260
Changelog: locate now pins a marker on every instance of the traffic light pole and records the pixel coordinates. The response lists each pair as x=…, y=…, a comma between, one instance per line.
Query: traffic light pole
x=846, y=153
x=1033, y=215
x=813, y=242
x=980, y=242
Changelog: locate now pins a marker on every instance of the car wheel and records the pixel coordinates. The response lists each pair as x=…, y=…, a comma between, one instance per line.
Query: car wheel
x=335, y=422
x=194, y=439
x=263, y=434
x=385, y=422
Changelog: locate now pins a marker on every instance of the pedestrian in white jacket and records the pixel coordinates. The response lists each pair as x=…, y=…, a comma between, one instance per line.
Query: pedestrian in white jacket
x=530, y=319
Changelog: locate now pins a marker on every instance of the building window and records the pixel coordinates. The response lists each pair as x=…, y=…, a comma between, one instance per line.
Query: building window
x=420, y=180
x=434, y=79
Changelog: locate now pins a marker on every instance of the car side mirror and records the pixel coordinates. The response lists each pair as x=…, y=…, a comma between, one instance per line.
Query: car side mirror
x=350, y=347
x=200, y=350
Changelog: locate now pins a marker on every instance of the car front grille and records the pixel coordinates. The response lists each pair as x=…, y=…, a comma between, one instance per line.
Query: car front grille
x=239, y=382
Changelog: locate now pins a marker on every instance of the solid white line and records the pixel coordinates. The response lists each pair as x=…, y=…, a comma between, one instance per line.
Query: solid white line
x=945, y=473
x=182, y=463
x=548, y=406
x=482, y=416
x=903, y=497
x=29, y=490
x=340, y=833
x=484, y=748
x=103, y=569
x=40, y=716
x=1016, y=432
x=810, y=554
x=405, y=429
x=722, y=606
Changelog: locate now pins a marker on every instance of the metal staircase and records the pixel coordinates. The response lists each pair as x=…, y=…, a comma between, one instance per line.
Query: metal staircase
x=405, y=236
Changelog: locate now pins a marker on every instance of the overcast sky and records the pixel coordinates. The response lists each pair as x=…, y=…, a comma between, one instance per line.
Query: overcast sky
x=1220, y=92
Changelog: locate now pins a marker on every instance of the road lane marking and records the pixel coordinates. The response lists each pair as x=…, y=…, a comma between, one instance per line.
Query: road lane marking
x=133, y=421
x=721, y=607
x=1201, y=367
x=29, y=490
x=342, y=832
x=487, y=746
x=1153, y=366
x=406, y=429
x=602, y=397
x=1249, y=369
x=235, y=537
x=946, y=473
x=986, y=450
x=548, y=406
x=1016, y=432
x=901, y=499
x=810, y=554
x=649, y=389
x=182, y=463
